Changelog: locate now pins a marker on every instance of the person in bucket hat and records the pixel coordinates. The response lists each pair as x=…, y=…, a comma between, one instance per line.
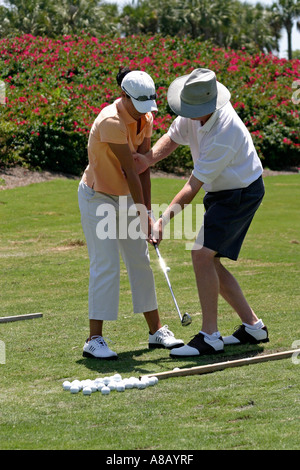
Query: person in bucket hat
x=109, y=194
x=227, y=167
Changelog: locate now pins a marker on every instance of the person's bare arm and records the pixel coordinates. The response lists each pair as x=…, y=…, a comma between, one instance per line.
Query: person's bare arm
x=161, y=149
x=145, y=175
x=124, y=155
x=183, y=198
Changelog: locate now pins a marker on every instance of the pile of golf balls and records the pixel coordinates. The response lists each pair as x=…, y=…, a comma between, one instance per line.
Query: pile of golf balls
x=105, y=385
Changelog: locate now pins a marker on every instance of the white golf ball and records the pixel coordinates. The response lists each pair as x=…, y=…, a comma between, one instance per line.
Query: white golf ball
x=146, y=380
x=106, y=380
x=98, y=382
x=127, y=383
x=120, y=387
x=66, y=385
x=100, y=385
x=98, y=379
x=87, y=391
x=117, y=378
x=176, y=368
x=94, y=387
x=74, y=389
x=105, y=391
x=135, y=381
x=87, y=383
x=141, y=385
x=152, y=381
x=112, y=385
x=76, y=383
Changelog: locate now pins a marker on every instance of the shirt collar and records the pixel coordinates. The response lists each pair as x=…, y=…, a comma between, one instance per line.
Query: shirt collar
x=125, y=115
x=208, y=125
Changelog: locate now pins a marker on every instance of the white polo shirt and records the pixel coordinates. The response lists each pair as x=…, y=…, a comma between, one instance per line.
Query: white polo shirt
x=222, y=150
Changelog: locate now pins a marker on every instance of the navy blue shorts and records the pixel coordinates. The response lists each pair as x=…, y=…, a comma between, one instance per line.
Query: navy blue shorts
x=228, y=216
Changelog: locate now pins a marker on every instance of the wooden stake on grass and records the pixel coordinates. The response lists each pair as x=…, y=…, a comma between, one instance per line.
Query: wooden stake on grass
x=206, y=369
x=27, y=316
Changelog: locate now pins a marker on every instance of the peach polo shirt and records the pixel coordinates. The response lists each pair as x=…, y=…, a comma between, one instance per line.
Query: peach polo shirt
x=113, y=125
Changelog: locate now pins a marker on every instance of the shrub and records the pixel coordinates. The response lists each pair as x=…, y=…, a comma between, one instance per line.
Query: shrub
x=56, y=88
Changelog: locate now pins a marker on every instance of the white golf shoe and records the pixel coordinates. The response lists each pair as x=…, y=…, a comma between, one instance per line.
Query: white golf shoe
x=98, y=349
x=164, y=338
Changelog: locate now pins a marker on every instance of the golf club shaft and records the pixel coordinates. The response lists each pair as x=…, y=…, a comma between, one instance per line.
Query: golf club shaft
x=168, y=281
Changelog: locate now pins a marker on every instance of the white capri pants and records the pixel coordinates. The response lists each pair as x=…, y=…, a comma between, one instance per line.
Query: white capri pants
x=101, y=211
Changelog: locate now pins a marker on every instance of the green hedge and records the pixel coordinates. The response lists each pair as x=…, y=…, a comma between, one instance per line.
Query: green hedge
x=56, y=88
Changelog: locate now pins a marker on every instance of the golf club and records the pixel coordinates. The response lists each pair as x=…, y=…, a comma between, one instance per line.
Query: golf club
x=185, y=319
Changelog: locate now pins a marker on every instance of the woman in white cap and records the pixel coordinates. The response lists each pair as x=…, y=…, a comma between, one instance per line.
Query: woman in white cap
x=228, y=168
x=109, y=194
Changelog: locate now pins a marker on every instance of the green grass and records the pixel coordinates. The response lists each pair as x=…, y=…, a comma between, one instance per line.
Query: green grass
x=44, y=268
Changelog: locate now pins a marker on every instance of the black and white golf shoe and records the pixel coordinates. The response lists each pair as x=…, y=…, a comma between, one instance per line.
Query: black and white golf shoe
x=245, y=335
x=200, y=345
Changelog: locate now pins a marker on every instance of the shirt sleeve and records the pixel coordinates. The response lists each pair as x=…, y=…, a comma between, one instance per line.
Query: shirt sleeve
x=112, y=130
x=178, y=131
x=211, y=164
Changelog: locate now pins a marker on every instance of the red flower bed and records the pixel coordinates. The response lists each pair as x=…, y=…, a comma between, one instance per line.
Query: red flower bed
x=56, y=88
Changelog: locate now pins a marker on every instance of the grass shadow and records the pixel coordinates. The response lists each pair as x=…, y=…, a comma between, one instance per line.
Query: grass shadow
x=133, y=362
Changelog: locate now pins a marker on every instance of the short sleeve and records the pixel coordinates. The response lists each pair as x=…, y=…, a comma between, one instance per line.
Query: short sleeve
x=178, y=131
x=112, y=130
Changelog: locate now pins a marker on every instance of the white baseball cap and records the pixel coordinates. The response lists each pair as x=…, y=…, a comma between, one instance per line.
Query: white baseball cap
x=141, y=89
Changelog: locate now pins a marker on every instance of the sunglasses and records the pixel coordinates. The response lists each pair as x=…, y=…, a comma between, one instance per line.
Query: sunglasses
x=141, y=98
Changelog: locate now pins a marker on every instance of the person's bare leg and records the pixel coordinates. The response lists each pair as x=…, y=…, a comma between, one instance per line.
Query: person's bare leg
x=207, y=281
x=153, y=321
x=232, y=293
x=96, y=327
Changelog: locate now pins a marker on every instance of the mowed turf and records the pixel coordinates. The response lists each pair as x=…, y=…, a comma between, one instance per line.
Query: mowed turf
x=44, y=268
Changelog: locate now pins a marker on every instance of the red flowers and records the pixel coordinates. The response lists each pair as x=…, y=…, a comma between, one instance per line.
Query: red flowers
x=65, y=83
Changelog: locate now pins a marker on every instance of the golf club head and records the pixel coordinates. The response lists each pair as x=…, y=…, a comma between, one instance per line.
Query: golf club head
x=186, y=320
